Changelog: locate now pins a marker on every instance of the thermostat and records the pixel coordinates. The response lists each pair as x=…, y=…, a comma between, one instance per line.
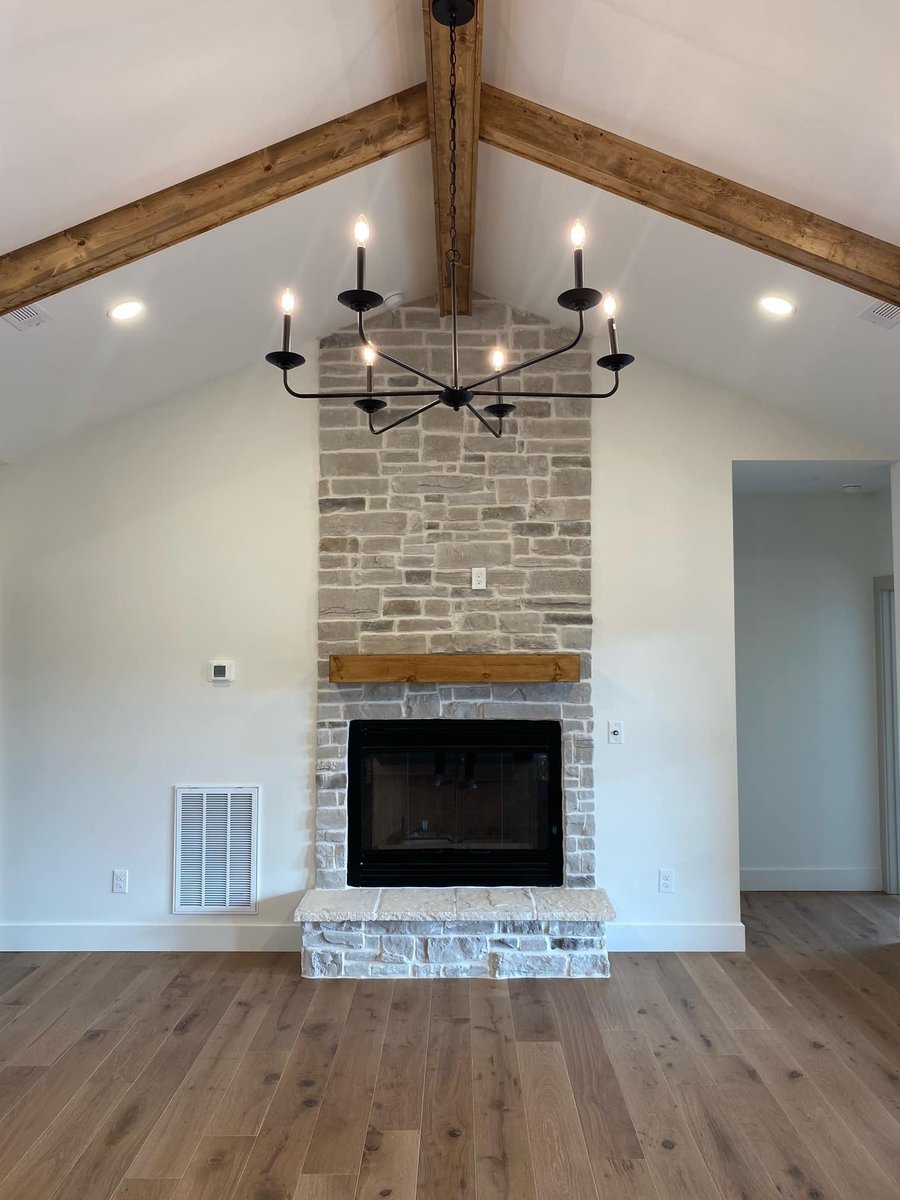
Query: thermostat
x=221, y=670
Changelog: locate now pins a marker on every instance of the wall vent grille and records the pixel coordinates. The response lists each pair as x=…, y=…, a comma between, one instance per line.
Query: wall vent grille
x=26, y=317
x=882, y=313
x=215, y=849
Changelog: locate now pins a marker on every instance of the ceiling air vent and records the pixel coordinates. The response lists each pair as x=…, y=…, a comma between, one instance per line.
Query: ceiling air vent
x=215, y=849
x=26, y=317
x=882, y=313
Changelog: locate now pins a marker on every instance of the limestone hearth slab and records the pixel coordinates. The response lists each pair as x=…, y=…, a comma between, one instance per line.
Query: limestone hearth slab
x=455, y=904
x=573, y=904
x=338, y=904
x=417, y=903
x=493, y=904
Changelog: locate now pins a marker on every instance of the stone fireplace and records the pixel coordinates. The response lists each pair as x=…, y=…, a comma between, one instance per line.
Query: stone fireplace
x=403, y=520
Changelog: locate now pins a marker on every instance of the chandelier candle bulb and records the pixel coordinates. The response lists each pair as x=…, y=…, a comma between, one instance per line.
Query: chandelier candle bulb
x=369, y=360
x=287, y=307
x=361, y=233
x=609, y=307
x=577, y=234
x=498, y=362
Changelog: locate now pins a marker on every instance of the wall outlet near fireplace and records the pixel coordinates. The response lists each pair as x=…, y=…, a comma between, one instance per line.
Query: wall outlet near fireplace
x=666, y=880
x=615, y=732
x=479, y=579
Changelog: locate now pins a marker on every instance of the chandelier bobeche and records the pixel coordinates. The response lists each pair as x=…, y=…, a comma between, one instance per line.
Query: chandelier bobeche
x=454, y=394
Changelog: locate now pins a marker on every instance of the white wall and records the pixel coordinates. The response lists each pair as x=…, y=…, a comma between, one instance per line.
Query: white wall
x=806, y=717
x=664, y=646
x=138, y=550
x=131, y=555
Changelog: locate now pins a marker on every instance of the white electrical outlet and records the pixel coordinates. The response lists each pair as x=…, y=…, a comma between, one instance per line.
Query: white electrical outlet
x=615, y=732
x=120, y=881
x=666, y=881
x=479, y=579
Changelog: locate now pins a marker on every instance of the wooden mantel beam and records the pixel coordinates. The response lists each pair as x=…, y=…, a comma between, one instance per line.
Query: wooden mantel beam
x=213, y=198
x=691, y=194
x=468, y=88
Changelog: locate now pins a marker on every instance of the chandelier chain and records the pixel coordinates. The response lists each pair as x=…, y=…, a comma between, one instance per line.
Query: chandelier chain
x=453, y=255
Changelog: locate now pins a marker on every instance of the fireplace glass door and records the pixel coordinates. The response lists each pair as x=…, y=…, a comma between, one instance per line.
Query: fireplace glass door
x=454, y=802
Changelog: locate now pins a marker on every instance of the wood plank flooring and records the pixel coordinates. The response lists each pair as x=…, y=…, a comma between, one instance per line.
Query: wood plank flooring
x=758, y=1076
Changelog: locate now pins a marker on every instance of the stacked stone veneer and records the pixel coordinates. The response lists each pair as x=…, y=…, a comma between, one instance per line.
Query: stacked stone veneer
x=403, y=519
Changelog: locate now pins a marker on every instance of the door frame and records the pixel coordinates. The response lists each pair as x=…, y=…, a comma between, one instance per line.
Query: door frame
x=888, y=742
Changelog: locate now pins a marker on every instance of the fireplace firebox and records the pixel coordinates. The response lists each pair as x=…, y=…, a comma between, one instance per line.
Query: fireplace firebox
x=445, y=803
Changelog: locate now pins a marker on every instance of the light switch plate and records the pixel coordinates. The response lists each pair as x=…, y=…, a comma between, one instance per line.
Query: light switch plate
x=615, y=732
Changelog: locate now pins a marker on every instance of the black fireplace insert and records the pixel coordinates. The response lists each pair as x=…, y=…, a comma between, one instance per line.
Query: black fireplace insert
x=437, y=803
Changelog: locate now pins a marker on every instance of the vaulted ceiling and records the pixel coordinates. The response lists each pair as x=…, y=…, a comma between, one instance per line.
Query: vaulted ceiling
x=103, y=104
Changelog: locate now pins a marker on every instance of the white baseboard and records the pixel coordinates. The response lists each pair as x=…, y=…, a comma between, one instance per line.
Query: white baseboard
x=682, y=938
x=171, y=936
x=195, y=936
x=810, y=879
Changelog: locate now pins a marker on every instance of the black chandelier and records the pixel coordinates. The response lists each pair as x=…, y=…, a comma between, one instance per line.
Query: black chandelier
x=455, y=394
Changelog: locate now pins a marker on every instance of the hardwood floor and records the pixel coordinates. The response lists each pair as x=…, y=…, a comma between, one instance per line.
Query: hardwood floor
x=684, y=1077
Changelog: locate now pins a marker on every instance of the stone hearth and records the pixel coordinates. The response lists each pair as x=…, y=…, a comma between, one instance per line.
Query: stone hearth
x=444, y=933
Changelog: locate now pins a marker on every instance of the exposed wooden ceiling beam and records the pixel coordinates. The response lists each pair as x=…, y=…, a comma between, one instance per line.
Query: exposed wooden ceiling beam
x=233, y=190
x=690, y=193
x=468, y=74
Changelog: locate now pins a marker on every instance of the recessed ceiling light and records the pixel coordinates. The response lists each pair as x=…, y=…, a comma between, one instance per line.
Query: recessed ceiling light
x=777, y=306
x=851, y=487
x=127, y=310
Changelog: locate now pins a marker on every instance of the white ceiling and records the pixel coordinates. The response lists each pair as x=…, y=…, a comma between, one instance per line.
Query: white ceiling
x=689, y=298
x=797, y=99
x=211, y=303
x=117, y=101
x=763, y=478
x=103, y=102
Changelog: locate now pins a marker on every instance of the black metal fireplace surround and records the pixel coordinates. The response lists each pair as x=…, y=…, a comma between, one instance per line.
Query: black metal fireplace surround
x=438, y=803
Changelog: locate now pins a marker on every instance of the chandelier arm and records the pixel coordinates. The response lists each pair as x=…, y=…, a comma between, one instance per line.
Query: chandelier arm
x=475, y=413
x=363, y=337
x=401, y=420
x=532, y=362
x=362, y=394
x=560, y=395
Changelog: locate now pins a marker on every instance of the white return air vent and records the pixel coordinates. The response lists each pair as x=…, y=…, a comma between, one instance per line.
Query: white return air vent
x=882, y=313
x=26, y=317
x=215, y=849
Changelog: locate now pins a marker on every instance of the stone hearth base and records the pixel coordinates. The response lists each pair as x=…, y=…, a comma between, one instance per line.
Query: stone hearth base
x=499, y=933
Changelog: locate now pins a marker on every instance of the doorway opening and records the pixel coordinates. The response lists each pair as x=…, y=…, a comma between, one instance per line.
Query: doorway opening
x=815, y=676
